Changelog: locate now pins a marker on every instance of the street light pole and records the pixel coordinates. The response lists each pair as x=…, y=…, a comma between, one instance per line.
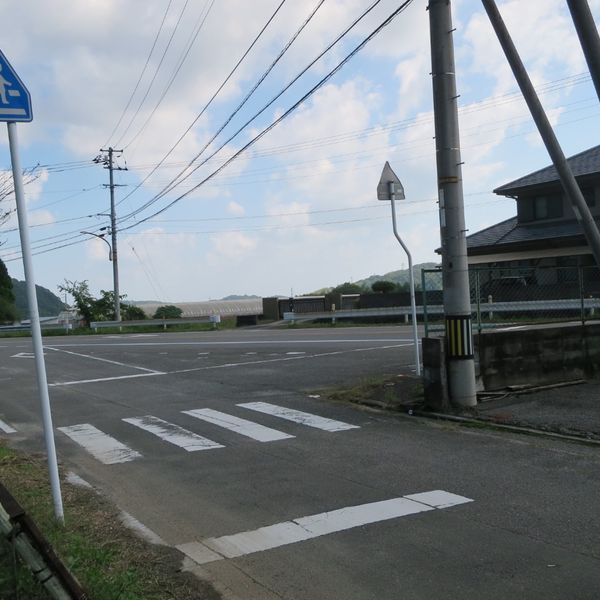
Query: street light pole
x=100, y=237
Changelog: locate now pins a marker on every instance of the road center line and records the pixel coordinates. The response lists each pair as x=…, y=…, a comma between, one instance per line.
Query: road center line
x=106, y=360
x=312, y=526
x=233, y=343
x=285, y=359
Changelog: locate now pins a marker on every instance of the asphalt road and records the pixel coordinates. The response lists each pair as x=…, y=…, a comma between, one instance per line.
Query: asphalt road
x=215, y=459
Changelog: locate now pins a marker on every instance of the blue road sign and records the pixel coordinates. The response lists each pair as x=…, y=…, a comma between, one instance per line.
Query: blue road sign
x=15, y=101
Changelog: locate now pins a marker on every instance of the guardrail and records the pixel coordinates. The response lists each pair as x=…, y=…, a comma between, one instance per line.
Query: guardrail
x=592, y=305
x=44, y=326
x=214, y=319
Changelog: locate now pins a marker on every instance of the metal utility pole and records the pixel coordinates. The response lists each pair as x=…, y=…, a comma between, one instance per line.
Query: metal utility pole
x=109, y=164
x=588, y=37
x=455, y=269
x=567, y=179
x=15, y=106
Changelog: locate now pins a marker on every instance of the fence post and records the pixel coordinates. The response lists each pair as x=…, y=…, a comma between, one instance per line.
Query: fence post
x=581, y=292
x=478, y=300
x=424, y=303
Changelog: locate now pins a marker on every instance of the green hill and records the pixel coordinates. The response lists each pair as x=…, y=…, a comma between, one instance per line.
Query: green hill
x=49, y=303
x=400, y=277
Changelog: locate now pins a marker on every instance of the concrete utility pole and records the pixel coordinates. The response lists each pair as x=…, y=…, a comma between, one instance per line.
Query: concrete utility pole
x=109, y=164
x=567, y=179
x=455, y=269
x=588, y=36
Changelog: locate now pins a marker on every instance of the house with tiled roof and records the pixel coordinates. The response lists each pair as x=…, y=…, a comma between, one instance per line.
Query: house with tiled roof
x=544, y=234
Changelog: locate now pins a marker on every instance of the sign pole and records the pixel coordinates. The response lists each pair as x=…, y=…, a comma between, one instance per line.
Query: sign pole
x=390, y=188
x=36, y=333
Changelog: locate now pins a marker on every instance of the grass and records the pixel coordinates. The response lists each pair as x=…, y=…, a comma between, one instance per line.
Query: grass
x=226, y=323
x=386, y=391
x=110, y=561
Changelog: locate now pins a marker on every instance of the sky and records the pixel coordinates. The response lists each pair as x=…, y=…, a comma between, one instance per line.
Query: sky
x=296, y=211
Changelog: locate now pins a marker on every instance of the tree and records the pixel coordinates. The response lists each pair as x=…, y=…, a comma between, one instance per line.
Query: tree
x=85, y=303
x=168, y=312
x=130, y=312
x=98, y=309
x=347, y=288
x=8, y=310
x=384, y=286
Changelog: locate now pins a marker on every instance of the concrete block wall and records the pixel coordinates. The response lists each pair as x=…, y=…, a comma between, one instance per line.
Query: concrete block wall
x=538, y=356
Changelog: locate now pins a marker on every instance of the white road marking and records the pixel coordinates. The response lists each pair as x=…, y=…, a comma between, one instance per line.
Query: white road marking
x=438, y=499
x=297, y=416
x=241, y=426
x=106, y=360
x=285, y=359
x=6, y=427
x=139, y=528
x=25, y=355
x=292, y=353
x=173, y=433
x=230, y=365
x=514, y=328
x=74, y=479
x=305, y=528
x=234, y=343
x=100, y=379
x=99, y=444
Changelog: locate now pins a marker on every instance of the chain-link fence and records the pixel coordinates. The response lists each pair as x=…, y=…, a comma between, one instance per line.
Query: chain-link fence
x=503, y=297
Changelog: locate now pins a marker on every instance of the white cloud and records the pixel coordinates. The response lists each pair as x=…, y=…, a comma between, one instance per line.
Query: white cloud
x=231, y=246
x=235, y=209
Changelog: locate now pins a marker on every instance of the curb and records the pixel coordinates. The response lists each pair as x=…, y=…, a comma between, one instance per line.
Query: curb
x=502, y=427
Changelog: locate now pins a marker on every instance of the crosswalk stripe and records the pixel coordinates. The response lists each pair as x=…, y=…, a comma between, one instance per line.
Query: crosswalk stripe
x=173, y=433
x=6, y=427
x=297, y=416
x=100, y=445
x=313, y=526
x=241, y=426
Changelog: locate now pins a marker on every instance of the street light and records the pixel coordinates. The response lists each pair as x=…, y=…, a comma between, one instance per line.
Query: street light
x=101, y=237
x=390, y=188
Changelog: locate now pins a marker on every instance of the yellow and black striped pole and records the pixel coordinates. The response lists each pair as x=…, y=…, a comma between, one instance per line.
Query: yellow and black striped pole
x=459, y=337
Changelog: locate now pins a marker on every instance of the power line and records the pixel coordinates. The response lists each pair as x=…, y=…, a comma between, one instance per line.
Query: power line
x=210, y=101
x=252, y=90
x=162, y=58
x=199, y=24
x=141, y=74
x=180, y=178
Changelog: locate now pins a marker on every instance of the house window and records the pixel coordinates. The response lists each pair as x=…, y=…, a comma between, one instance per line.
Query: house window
x=539, y=208
x=589, y=195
